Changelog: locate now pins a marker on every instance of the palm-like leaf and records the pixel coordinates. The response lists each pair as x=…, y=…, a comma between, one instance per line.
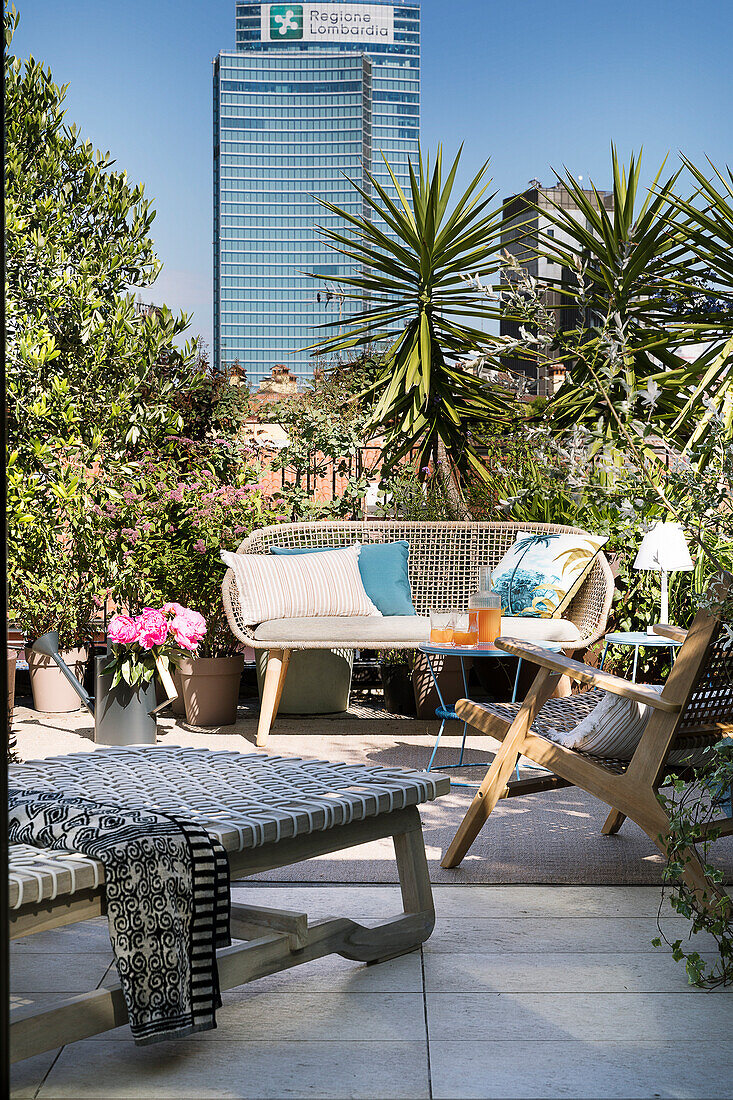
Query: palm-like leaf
x=635, y=262
x=409, y=253
x=708, y=225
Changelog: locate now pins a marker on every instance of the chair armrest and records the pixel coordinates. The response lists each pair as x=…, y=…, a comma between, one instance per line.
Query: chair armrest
x=576, y=670
x=674, y=633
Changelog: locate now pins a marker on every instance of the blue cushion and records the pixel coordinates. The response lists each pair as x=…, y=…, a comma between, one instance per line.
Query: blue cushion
x=383, y=568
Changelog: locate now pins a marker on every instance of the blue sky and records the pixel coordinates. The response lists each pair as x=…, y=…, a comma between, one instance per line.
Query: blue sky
x=530, y=84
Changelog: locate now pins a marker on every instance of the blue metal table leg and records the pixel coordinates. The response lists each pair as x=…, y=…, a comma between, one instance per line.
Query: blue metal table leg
x=636, y=663
x=465, y=724
x=437, y=742
x=442, y=703
x=603, y=656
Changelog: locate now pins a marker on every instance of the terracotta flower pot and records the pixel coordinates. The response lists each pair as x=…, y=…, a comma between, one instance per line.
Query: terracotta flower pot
x=52, y=693
x=211, y=689
x=12, y=660
x=12, y=740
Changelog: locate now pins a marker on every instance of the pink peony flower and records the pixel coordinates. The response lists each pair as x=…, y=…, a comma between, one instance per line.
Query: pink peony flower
x=122, y=629
x=152, y=628
x=173, y=609
x=188, y=628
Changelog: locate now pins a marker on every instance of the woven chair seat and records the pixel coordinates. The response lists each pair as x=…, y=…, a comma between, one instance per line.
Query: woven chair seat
x=245, y=801
x=561, y=716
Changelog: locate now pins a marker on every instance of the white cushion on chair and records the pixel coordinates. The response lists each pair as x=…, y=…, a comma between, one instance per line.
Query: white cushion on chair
x=304, y=586
x=612, y=730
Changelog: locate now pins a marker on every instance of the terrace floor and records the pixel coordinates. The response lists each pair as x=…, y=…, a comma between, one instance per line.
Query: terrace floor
x=522, y=991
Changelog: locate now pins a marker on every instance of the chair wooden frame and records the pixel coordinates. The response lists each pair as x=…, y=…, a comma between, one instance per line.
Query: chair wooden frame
x=630, y=793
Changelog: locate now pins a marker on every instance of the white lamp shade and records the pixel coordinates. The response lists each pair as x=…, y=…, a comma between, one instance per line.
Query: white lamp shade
x=664, y=547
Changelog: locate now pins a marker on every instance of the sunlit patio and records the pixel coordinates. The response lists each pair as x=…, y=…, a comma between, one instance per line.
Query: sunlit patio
x=522, y=990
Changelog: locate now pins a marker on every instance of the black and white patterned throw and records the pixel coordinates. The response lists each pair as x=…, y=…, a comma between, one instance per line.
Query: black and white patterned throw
x=167, y=889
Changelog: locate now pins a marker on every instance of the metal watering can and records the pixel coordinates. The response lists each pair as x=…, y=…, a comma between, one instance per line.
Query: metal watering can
x=123, y=715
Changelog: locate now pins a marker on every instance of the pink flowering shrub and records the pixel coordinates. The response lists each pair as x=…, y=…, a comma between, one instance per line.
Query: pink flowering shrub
x=168, y=522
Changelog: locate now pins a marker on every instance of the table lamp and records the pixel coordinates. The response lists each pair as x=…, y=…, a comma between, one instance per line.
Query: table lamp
x=664, y=550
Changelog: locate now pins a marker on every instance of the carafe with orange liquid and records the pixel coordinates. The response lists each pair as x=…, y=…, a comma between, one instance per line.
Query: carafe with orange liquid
x=485, y=609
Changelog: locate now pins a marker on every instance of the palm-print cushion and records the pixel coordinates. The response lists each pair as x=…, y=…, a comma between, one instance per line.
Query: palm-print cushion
x=539, y=575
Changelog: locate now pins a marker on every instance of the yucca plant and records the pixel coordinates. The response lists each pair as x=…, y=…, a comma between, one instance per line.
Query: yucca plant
x=707, y=220
x=627, y=268
x=410, y=253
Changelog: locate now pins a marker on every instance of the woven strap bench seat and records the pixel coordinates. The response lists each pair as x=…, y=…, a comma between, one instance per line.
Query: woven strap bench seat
x=268, y=812
x=246, y=801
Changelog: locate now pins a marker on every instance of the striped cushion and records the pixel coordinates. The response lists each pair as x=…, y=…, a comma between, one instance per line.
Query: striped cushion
x=302, y=587
x=611, y=730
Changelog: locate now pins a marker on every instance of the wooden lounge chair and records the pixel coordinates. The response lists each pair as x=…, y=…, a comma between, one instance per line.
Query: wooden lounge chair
x=694, y=709
x=268, y=812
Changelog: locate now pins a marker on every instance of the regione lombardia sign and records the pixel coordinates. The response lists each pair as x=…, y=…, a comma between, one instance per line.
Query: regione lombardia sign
x=327, y=23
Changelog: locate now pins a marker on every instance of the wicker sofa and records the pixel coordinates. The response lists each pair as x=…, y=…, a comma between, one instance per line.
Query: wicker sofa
x=444, y=571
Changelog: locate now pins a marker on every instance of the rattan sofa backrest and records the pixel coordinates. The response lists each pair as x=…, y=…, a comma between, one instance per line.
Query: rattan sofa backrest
x=444, y=561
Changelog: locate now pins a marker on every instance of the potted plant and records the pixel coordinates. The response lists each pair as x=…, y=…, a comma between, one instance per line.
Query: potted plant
x=170, y=521
x=141, y=649
x=394, y=667
x=48, y=593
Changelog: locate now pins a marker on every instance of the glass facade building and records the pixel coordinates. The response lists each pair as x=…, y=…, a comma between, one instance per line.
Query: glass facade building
x=292, y=118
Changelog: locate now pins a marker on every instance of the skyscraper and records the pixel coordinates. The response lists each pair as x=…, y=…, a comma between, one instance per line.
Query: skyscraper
x=523, y=223
x=313, y=92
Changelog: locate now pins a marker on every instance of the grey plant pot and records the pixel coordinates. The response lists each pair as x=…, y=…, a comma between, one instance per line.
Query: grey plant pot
x=318, y=681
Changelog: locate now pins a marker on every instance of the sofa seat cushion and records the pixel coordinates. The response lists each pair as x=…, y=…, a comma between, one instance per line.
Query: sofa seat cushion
x=332, y=631
x=365, y=632
x=539, y=630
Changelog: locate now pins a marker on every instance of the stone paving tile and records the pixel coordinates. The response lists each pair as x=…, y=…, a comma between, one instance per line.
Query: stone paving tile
x=26, y=1076
x=312, y=1017
x=240, y=1071
x=588, y=972
x=461, y=901
x=526, y=1070
x=536, y=937
x=89, y=935
x=620, y=1017
x=43, y=972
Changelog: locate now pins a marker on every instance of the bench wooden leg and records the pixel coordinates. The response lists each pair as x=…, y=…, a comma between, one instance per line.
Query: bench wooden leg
x=277, y=667
x=613, y=823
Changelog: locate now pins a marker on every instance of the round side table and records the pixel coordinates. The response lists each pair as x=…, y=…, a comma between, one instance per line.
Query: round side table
x=638, y=640
x=448, y=713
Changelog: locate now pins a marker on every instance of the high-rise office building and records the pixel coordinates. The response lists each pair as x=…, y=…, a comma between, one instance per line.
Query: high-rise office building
x=313, y=93
x=523, y=223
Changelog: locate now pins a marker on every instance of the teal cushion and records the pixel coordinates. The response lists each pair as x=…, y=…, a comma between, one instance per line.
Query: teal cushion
x=383, y=568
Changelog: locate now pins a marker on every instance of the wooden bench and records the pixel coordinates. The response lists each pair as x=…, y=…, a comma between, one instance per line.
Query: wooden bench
x=268, y=812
